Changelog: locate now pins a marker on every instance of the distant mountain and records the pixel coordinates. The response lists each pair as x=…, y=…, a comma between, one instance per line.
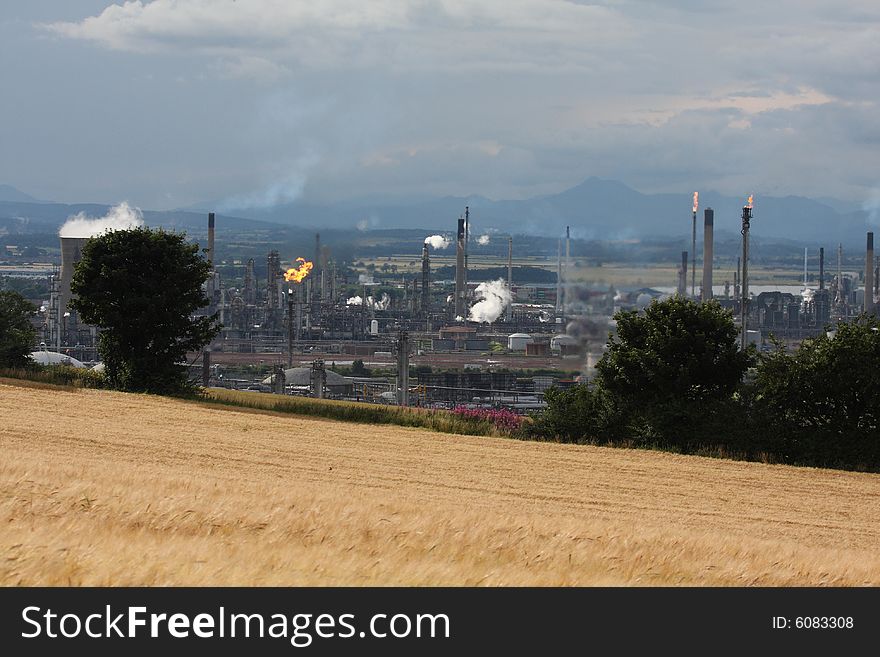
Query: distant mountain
x=10, y=193
x=595, y=209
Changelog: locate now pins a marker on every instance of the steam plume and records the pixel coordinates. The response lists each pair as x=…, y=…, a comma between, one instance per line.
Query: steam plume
x=119, y=217
x=438, y=242
x=494, y=298
x=483, y=240
x=373, y=304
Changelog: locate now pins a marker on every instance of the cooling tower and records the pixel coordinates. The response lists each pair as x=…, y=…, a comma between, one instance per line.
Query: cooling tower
x=71, y=252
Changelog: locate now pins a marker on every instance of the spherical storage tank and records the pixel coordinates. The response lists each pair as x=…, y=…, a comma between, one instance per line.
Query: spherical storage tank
x=518, y=341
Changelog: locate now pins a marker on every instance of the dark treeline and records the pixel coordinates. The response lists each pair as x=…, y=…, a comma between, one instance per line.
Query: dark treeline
x=673, y=378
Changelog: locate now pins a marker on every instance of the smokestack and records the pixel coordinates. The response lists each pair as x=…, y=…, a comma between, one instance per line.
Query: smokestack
x=460, y=305
x=210, y=253
x=821, y=268
x=426, y=278
x=467, y=238
x=683, y=274
x=510, y=275
x=559, y=277
x=869, y=275
x=708, y=256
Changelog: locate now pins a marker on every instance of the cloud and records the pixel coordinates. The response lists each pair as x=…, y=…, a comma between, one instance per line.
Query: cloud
x=396, y=33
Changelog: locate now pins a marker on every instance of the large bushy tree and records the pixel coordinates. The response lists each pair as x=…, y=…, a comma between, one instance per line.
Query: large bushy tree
x=141, y=287
x=666, y=365
x=17, y=334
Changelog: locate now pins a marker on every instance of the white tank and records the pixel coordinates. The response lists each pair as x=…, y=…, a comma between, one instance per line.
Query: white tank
x=518, y=341
x=374, y=327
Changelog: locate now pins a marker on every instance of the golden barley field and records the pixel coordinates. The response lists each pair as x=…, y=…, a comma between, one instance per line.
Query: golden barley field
x=102, y=488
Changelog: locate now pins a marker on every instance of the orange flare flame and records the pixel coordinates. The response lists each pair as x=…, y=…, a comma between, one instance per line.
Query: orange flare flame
x=751, y=199
x=696, y=201
x=297, y=274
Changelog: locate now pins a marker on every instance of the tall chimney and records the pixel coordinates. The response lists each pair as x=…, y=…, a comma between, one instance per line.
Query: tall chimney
x=708, y=257
x=869, y=275
x=559, y=277
x=426, y=278
x=210, y=253
x=683, y=274
x=821, y=268
x=460, y=309
x=467, y=238
x=509, y=312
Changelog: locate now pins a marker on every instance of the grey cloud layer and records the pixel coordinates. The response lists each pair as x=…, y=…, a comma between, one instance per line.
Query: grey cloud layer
x=496, y=97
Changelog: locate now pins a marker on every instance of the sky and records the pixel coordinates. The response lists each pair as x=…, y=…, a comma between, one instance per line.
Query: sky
x=254, y=102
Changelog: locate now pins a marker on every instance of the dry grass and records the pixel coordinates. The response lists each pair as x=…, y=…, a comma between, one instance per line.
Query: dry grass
x=104, y=488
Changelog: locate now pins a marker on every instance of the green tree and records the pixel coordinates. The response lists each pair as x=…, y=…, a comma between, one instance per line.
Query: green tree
x=581, y=413
x=821, y=403
x=17, y=334
x=141, y=287
x=359, y=369
x=668, y=365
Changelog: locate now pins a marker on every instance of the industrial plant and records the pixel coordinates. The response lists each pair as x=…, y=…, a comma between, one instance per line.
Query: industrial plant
x=309, y=325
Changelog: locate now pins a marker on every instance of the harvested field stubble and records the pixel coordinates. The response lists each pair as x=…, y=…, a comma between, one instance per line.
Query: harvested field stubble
x=105, y=488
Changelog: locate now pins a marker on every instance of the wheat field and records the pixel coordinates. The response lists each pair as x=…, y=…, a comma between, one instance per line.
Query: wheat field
x=103, y=488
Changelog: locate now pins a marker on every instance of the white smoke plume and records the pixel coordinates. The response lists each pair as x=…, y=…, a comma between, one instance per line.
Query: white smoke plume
x=438, y=242
x=287, y=189
x=119, y=217
x=483, y=240
x=494, y=297
x=382, y=303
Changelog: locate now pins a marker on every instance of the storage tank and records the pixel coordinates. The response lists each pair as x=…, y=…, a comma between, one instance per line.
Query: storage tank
x=374, y=327
x=518, y=341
